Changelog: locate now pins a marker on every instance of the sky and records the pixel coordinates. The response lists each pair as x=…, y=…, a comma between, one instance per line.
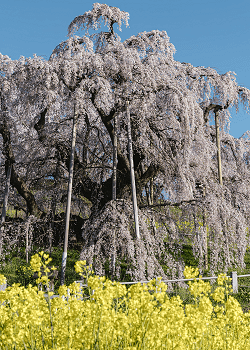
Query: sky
x=209, y=33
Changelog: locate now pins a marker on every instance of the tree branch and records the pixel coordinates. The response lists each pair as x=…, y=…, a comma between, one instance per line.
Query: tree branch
x=168, y=203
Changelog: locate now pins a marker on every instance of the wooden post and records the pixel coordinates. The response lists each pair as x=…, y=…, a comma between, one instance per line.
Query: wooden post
x=57, y=182
x=27, y=239
x=205, y=238
x=114, y=190
x=70, y=182
x=5, y=202
x=234, y=281
x=114, y=159
x=152, y=190
x=132, y=174
x=217, y=127
x=148, y=194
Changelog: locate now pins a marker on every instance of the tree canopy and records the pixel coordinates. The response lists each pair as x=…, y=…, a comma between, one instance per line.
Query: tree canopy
x=172, y=107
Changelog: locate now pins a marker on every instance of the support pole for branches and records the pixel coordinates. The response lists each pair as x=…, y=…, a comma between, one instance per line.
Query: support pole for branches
x=152, y=190
x=148, y=194
x=151, y=180
x=5, y=202
x=27, y=239
x=205, y=238
x=132, y=174
x=57, y=183
x=71, y=168
x=114, y=159
x=114, y=189
x=217, y=127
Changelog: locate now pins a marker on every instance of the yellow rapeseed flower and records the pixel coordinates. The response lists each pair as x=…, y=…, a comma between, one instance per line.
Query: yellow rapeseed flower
x=113, y=317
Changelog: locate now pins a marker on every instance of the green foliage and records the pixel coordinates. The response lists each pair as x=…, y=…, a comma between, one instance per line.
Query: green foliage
x=247, y=260
x=185, y=226
x=24, y=275
x=70, y=274
x=175, y=211
x=183, y=293
x=243, y=296
x=16, y=270
x=8, y=269
x=188, y=256
x=12, y=213
x=86, y=201
x=124, y=266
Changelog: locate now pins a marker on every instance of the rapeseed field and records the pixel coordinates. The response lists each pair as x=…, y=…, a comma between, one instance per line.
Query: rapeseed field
x=107, y=315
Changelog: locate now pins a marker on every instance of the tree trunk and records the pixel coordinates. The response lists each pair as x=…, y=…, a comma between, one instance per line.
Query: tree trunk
x=15, y=181
x=71, y=169
x=132, y=175
x=217, y=127
x=5, y=203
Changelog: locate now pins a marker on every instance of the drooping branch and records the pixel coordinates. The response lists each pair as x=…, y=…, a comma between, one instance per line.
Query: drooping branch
x=165, y=204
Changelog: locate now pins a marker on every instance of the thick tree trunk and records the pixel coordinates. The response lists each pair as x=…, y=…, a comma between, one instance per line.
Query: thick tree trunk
x=15, y=180
x=5, y=203
x=85, y=186
x=132, y=174
x=217, y=127
x=71, y=170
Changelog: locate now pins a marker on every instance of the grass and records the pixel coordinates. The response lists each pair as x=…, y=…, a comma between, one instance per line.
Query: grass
x=15, y=267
